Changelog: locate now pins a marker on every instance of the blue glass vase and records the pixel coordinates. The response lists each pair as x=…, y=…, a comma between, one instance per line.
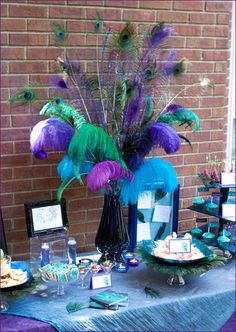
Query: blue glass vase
x=112, y=238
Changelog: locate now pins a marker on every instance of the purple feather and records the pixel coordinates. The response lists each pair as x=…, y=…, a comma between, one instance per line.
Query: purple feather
x=159, y=33
x=104, y=171
x=172, y=108
x=164, y=136
x=58, y=82
x=168, y=69
x=50, y=134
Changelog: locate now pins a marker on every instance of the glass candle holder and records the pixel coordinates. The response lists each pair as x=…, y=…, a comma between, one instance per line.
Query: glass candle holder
x=133, y=261
x=122, y=267
x=208, y=237
x=198, y=202
x=223, y=242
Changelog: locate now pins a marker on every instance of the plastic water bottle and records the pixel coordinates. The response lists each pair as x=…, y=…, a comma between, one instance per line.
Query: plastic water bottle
x=71, y=250
x=45, y=254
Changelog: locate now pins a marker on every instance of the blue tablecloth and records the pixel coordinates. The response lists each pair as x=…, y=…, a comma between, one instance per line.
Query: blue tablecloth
x=205, y=303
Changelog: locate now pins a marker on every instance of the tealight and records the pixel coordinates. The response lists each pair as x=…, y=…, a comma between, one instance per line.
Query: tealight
x=133, y=261
x=128, y=255
x=122, y=267
x=196, y=232
x=85, y=262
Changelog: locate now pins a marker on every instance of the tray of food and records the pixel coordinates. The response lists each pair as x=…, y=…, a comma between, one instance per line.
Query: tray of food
x=13, y=273
x=161, y=251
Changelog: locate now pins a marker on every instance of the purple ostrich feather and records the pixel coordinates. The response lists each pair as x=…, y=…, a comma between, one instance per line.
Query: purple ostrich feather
x=104, y=171
x=50, y=134
x=172, y=108
x=164, y=136
x=159, y=34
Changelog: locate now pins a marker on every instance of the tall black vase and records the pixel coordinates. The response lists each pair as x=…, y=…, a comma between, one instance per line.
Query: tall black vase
x=112, y=238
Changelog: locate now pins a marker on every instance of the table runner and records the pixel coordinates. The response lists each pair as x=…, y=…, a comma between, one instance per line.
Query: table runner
x=203, y=304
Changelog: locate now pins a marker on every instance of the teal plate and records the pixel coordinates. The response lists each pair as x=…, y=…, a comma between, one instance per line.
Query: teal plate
x=149, y=245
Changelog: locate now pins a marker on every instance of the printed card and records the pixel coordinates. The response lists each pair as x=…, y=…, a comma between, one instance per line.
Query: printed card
x=179, y=246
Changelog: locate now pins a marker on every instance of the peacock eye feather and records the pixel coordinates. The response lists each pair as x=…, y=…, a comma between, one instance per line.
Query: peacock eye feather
x=126, y=40
x=59, y=31
x=58, y=100
x=180, y=67
x=24, y=96
x=150, y=71
x=98, y=23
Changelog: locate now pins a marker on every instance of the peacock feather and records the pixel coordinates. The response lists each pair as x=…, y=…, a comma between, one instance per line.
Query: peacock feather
x=25, y=96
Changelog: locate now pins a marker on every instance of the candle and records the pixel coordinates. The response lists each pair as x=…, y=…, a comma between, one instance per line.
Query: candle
x=122, y=267
x=85, y=261
x=128, y=255
x=133, y=261
x=45, y=254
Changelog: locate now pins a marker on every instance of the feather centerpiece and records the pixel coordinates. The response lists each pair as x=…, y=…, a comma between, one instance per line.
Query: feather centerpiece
x=108, y=121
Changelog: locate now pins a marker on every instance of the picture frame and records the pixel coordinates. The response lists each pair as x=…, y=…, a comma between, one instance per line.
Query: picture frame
x=153, y=219
x=46, y=217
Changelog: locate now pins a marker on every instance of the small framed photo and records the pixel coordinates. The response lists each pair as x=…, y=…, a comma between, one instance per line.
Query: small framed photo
x=46, y=217
x=100, y=281
x=178, y=245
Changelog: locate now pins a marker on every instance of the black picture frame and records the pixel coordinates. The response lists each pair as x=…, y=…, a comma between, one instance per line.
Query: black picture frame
x=46, y=217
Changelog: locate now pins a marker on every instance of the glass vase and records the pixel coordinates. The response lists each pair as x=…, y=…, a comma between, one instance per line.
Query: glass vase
x=112, y=238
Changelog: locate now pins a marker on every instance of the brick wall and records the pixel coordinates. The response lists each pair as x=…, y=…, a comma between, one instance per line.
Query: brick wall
x=28, y=55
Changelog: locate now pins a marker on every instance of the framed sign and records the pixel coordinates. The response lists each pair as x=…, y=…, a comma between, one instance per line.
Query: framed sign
x=154, y=217
x=45, y=217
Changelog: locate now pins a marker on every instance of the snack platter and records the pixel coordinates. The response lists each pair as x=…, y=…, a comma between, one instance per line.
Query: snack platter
x=15, y=277
x=59, y=272
x=160, y=250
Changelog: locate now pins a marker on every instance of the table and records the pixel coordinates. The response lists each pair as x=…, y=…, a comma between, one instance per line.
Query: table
x=205, y=303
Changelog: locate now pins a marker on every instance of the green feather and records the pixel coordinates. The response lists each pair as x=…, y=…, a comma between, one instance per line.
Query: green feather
x=148, y=110
x=95, y=141
x=24, y=96
x=186, y=116
x=167, y=118
x=65, y=183
x=98, y=23
x=126, y=39
x=60, y=110
x=59, y=31
x=152, y=292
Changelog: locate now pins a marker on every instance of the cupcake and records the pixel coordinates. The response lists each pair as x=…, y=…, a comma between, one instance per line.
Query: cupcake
x=211, y=207
x=196, y=232
x=223, y=242
x=208, y=237
x=198, y=202
x=5, y=264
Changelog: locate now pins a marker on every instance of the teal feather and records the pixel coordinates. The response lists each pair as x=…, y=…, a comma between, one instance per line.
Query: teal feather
x=186, y=116
x=148, y=110
x=181, y=116
x=153, y=174
x=98, y=23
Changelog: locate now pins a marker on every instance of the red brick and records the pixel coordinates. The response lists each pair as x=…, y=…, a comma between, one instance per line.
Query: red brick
x=201, y=18
x=189, y=5
x=4, y=10
x=13, y=53
x=200, y=43
x=15, y=160
x=216, y=135
x=72, y=40
x=17, y=236
x=223, y=43
x=4, y=67
x=215, y=31
x=223, y=18
x=173, y=17
x=14, y=134
x=42, y=53
x=5, y=121
x=211, y=146
x=212, y=101
x=52, y=2
x=219, y=90
x=86, y=203
x=13, y=25
x=67, y=12
x=27, y=11
x=16, y=186
x=19, y=39
x=215, y=55
x=32, y=172
x=183, y=171
x=85, y=2
x=141, y=16
x=6, y=173
x=187, y=30
x=21, y=198
x=6, y=199
x=201, y=67
x=153, y=4
x=39, y=25
x=6, y=148
x=121, y=3
x=47, y=183
x=22, y=146
x=106, y=14
x=221, y=6
x=28, y=67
